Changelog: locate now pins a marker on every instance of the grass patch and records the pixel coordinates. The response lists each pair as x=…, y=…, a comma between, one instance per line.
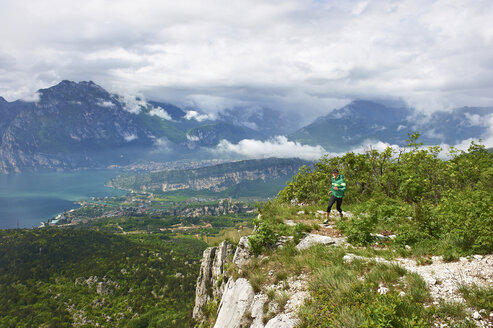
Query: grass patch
x=232, y=234
x=282, y=299
x=346, y=295
x=478, y=297
x=451, y=310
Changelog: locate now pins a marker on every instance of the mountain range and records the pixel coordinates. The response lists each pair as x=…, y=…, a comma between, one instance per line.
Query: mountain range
x=76, y=125
x=364, y=122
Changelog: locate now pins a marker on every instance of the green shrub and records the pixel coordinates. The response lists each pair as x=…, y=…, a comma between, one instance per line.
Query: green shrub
x=467, y=217
x=264, y=237
x=409, y=233
x=299, y=231
x=358, y=231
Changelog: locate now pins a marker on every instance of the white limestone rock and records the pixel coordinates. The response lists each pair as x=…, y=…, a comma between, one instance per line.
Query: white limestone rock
x=223, y=253
x=289, y=223
x=257, y=310
x=313, y=239
x=282, y=321
x=243, y=253
x=236, y=300
x=382, y=290
x=203, y=281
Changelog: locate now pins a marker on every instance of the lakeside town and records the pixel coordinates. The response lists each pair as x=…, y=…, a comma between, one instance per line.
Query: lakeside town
x=143, y=204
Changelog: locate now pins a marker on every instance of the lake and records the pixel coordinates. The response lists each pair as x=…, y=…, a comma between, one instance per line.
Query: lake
x=27, y=199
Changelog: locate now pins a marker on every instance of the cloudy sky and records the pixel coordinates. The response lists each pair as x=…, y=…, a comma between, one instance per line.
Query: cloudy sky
x=310, y=54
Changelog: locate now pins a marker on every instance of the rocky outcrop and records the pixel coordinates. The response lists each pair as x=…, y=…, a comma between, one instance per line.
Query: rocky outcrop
x=238, y=304
x=215, y=178
x=312, y=239
x=235, y=303
x=215, y=285
x=224, y=181
x=242, y=254
x=211, y=280
x=224, y=207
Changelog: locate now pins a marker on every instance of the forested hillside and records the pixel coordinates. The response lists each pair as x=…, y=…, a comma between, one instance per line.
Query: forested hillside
x=64, y=278
x=413, y=249
x=441, y=206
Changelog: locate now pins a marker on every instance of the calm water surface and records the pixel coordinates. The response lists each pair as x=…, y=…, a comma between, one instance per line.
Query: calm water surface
x=27, y=199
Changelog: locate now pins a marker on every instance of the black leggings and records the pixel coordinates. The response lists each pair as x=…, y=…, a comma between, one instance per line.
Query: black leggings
x=333, y=199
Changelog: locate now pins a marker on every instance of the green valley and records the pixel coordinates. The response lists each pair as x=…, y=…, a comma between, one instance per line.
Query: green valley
x=63, y=277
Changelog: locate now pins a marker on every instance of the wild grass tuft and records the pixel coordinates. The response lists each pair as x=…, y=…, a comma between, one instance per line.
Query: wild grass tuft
x=478, y=297
x=282, y=299
x=451, y=310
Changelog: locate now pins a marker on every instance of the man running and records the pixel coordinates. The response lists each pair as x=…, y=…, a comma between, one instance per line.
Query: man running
x=337, y=191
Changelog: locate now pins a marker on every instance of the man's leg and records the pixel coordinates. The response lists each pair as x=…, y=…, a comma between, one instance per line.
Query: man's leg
x=339, y=203
x=329, y=207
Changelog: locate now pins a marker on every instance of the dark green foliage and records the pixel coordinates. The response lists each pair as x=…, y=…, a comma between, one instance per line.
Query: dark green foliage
x=478, y=297
x=270, y=225
x=467, y=217
x=358, y=231
x=50, y=276
x=264, y=237
x=436, y=206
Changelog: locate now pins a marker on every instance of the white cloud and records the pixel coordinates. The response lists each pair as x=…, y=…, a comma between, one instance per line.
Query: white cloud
x=192, y=138
x=194, y=115
x=105, y=103
x=212, y=104
x=162, y=145
x=250, y=125
x=474, y=119
x=290, y=54
x=35, y=97
x=277, y=147
x=431, y=133
x=161, y=113
x=478, y=120
x=371, y=145
x=130, y=137
x=282, y=148
x=131, y=103
x=464, y=144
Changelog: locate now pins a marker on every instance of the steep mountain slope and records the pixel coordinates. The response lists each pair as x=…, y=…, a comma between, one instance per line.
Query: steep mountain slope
x=265, y=121
x=351, y=125
x=209, y=135
x=362, y=121
x=455, y=126
x=214, y=178
x=72, y=125
x=237, y=123
x=75, y=125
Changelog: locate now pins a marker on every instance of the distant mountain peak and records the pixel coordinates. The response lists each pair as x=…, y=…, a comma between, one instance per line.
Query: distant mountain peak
x=66, y=90
x=67, y=84
x=369, y=110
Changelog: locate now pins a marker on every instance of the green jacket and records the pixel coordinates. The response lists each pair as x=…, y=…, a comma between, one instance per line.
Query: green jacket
x=339, y=183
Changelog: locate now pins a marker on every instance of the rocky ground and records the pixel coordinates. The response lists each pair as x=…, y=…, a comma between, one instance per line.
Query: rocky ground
x=442, y=278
